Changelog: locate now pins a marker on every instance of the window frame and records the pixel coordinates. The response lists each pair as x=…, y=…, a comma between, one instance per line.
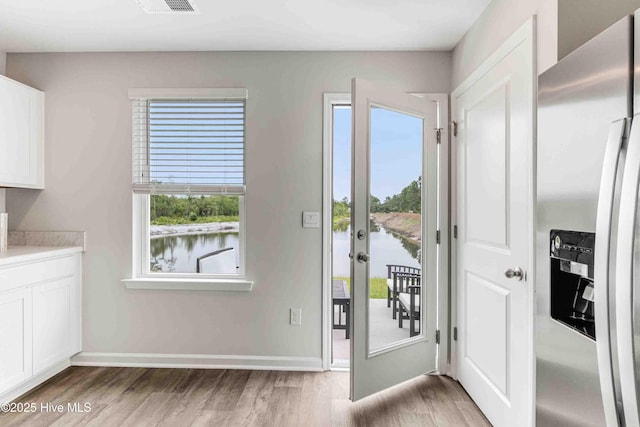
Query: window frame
x=142, y=277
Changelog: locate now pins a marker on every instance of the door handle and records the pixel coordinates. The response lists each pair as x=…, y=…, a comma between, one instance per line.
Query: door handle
x=626, y=269
x=362, y=257
x=516, y=273
x=606, y=243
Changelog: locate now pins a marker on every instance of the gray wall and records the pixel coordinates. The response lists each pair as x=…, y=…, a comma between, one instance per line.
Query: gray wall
x=580, y=20
x=88, y=187
x=498, y=21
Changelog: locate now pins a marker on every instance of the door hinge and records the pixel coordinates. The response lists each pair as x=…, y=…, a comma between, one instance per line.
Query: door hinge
x=454, y=124
x=455, y=333
x=437, y=237
x=455, y=231
x=439, y=135
x=437, y=336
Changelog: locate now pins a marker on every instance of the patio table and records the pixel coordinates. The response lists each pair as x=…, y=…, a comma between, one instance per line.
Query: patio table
x=341, y=301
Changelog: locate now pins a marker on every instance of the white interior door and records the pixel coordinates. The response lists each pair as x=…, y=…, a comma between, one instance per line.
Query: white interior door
x=494, y=115
x=394, y=152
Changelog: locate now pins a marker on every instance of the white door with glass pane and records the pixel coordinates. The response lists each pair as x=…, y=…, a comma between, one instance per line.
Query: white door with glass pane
x=494, y=115
x=394, y=162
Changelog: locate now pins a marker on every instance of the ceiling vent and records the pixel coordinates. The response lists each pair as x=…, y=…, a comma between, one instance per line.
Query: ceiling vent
x=187, y=7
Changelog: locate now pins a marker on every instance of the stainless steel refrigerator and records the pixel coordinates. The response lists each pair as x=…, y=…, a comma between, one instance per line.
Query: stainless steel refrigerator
x=588, y=239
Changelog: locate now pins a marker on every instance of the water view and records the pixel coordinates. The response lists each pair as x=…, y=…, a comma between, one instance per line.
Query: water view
x=186, y=227
x=385, y=245
x=178, y=254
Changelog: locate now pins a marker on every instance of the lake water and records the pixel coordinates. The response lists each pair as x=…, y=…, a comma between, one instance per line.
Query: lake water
x=178, y=254
x=385, y=248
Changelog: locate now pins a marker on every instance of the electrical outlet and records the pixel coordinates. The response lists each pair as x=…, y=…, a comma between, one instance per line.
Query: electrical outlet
x=296, y=316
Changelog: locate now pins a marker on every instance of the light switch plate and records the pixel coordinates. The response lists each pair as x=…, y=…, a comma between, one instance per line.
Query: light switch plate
x=310, y=219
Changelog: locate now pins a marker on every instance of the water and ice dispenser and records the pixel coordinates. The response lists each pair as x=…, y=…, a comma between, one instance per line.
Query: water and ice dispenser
x=572, y=293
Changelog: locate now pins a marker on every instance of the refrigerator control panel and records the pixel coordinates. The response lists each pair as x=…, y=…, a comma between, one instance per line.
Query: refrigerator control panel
x=572, y=288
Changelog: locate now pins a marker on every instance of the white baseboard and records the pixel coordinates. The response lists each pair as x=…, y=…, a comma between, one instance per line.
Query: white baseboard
x=33, y=382
x=197, y=361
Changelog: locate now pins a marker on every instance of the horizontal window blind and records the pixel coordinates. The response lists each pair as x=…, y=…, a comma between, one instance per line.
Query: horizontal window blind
x=189, y=146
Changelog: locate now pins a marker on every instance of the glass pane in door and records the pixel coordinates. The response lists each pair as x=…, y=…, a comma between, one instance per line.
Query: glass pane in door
x=395, y=206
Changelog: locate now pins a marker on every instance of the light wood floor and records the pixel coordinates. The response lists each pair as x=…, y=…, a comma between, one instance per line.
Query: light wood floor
x=200, y=397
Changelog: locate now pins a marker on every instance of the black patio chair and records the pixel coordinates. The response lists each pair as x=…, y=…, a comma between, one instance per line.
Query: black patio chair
x=409, y=302
x=395, y=285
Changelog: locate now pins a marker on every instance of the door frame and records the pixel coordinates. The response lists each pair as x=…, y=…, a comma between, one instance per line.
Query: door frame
x=525, y=34
x=444, y=297
x=330, y=99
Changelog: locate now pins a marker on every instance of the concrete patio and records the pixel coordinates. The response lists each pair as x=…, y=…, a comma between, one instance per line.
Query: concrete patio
x=384, y=330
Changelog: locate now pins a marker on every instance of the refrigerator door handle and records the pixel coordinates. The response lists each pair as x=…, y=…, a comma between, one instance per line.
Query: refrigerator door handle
x=624, y=280
x=603, y=270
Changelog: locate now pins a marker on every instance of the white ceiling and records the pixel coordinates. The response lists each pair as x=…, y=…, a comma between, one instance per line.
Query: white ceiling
x=120, y=25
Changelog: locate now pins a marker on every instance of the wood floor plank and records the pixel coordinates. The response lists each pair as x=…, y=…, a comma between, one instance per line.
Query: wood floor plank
x=191, y=398
x=252, y=407
x=340, y=405
x=289, y=379
x=152, y=380
x=210, y=418
x=472, y=414
x=122, y=397
x=315, y=405
x=442, y=403
x=228, y=390
x=151, y=411
x=340, y=413
x=408, y=396
x=418, y=420
x=106, y=388
x=74, y=419
x=374, y=411
x=283, y=407
x=103, y=392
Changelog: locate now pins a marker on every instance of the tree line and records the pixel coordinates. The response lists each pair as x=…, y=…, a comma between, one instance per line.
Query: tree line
x=408, y=200
x=171, y=209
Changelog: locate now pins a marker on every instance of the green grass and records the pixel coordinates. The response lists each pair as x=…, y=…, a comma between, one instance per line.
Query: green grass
x=163, y=220
x=378, y=287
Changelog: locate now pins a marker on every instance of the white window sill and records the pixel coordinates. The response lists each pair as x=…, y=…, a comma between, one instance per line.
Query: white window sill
x=234, y=285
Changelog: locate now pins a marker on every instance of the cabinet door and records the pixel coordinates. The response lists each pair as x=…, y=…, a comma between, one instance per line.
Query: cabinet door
x=51, y=322
x=21, y=135
x=15, y=337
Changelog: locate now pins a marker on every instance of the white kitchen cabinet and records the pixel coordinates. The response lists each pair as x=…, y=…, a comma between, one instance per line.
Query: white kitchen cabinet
x=51, y=322
x=40, y=317
x=15, y=337
x=21, y=135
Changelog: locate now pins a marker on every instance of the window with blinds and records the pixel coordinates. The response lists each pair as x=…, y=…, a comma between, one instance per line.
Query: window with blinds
x=189, y=146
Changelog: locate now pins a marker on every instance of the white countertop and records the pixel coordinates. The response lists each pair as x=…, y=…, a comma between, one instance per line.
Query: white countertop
x=16, y=254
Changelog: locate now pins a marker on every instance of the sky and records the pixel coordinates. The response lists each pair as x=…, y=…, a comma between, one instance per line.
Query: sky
x=396, y=152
